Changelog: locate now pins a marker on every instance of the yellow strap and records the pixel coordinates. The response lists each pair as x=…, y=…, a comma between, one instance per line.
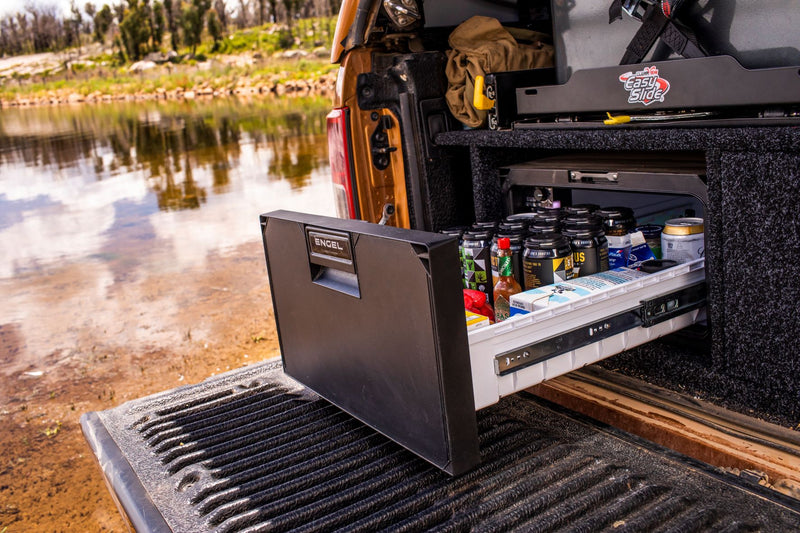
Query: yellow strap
x=479, y=100
x=619, y=119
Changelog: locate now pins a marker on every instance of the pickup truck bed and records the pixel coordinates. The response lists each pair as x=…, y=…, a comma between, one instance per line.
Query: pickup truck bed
x=251, y=450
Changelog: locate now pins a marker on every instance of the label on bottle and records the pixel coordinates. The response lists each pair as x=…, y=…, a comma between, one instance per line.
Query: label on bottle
x=504, y=265
x=502, y=308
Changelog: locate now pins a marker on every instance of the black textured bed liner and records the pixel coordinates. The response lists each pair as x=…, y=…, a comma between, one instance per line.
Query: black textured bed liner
x=253, y=451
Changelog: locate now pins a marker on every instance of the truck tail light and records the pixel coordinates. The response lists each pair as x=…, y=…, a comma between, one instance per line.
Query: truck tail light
x=340, y=153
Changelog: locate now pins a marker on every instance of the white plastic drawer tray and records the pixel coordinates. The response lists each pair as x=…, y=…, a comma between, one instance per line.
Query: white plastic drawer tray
x=528, y=349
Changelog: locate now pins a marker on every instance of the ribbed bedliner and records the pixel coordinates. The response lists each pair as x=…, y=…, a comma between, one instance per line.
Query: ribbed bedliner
x=253, y=451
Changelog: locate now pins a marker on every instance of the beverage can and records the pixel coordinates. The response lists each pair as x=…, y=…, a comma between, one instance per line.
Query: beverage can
x=458, y=231
x=682, y=239
x=477, y=249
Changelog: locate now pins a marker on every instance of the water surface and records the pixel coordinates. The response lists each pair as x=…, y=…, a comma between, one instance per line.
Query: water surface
x=96, y=199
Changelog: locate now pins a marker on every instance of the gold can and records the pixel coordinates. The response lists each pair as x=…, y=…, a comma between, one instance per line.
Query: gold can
x=683, y=240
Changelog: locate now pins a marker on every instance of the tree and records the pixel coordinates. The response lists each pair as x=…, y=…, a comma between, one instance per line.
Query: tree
x=47, y=29
x=102, y=23
x=90, y=10
x=242, y=15
x=290, y=6
x=158, y=24
x=214, y=28
x=118, y=10
x=171, y=10
x=193, y=19
x=222, y=12
x=135, y=30
x=74, y=24
x=261, y=6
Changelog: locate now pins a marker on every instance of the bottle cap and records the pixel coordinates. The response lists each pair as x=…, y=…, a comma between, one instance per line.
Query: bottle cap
x=503, y=243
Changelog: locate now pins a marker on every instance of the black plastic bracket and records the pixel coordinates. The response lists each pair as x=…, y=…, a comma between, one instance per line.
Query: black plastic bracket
x=379, y=143
x=668, y=306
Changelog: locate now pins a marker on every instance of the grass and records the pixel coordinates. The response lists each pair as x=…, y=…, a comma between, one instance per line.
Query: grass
x=109, y=80
x=52, y=431
x=107, y=75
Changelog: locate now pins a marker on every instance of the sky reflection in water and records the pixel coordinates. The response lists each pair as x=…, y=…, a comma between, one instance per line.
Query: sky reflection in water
x=188, y=178
x=113, y=216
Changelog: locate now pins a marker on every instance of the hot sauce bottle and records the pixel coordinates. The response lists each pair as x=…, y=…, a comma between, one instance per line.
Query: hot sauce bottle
x=506, y=284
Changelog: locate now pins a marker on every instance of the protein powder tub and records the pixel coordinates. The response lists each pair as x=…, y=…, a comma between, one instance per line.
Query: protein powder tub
x=580, y=209
x=589, y=245
x=547, y=260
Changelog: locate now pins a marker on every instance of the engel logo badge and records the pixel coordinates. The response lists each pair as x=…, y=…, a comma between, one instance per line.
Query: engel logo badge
x=330, y=245
x=644, y=86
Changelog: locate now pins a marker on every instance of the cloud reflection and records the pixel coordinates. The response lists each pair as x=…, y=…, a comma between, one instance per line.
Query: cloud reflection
x=199, y=177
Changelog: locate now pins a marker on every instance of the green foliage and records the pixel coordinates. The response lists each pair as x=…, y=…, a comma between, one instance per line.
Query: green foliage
x=159, y=24
x=135, y=30
x=193, y=19
x=214, y=29
x=172, y=12
x=102, y=23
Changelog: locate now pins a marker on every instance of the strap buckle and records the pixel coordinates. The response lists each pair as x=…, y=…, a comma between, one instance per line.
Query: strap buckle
x=636, y=8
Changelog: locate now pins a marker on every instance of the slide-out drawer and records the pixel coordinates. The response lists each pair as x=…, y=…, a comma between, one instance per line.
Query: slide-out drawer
x=371, y=318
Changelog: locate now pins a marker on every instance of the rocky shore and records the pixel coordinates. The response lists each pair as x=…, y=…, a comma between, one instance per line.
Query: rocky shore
x=277, y=85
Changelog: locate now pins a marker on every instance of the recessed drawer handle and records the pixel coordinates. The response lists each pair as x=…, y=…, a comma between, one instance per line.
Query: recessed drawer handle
x=593, y=177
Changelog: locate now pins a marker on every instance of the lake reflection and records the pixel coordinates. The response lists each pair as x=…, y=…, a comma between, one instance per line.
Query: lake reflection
x=191, y=177
x=117, y=220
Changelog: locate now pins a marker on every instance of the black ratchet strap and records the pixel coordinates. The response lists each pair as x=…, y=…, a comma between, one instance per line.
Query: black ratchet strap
x=657, y=22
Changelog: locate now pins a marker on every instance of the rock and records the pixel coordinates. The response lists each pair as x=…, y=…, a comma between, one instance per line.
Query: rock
x=141, y=66
x=172, y=54
x=292, y=54
x=75, y=98
x=189, y=95
x=155, y=57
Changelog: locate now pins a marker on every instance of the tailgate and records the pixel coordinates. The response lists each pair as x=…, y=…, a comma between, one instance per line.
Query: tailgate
x=252, y=450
